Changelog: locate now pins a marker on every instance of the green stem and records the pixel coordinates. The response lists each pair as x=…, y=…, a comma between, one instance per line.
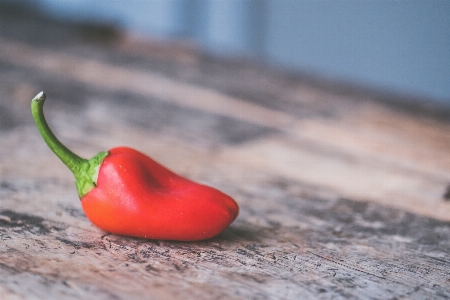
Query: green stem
x=70, y=159
x=85, y=171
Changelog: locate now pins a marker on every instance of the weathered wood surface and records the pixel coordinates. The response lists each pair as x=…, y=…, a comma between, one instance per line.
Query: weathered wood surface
x=342, y=196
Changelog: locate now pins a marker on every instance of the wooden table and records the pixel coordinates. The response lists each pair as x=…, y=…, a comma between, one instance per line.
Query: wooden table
x=344, y=193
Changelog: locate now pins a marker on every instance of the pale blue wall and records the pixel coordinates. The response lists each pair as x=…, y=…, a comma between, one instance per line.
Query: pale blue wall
x=397, y=45
x=400, y=45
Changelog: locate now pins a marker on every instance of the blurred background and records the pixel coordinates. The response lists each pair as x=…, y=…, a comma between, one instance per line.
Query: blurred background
x=398, y=47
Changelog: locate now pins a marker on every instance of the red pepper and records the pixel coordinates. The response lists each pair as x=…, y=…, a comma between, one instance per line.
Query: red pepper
x=125, y=192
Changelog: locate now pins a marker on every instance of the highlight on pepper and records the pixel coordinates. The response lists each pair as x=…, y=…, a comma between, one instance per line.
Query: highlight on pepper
x=125, y=192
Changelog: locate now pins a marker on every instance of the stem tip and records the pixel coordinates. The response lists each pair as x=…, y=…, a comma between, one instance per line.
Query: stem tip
x=39, y=97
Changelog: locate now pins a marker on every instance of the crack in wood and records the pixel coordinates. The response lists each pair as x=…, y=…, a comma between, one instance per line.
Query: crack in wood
x=345, y=265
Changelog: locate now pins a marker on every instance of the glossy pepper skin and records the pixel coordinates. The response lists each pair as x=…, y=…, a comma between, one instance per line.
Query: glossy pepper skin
x=136, y=196
x=125, y=192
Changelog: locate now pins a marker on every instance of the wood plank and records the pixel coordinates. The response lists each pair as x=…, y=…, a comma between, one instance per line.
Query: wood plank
x=342, y=196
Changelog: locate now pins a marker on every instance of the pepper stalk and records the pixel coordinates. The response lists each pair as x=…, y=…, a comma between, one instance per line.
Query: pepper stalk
x=84, y=170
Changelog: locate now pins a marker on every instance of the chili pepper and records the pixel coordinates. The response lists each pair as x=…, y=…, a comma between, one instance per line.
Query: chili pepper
x=125, y=192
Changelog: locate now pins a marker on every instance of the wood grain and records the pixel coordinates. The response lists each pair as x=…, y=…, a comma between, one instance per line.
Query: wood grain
x=342, y=196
